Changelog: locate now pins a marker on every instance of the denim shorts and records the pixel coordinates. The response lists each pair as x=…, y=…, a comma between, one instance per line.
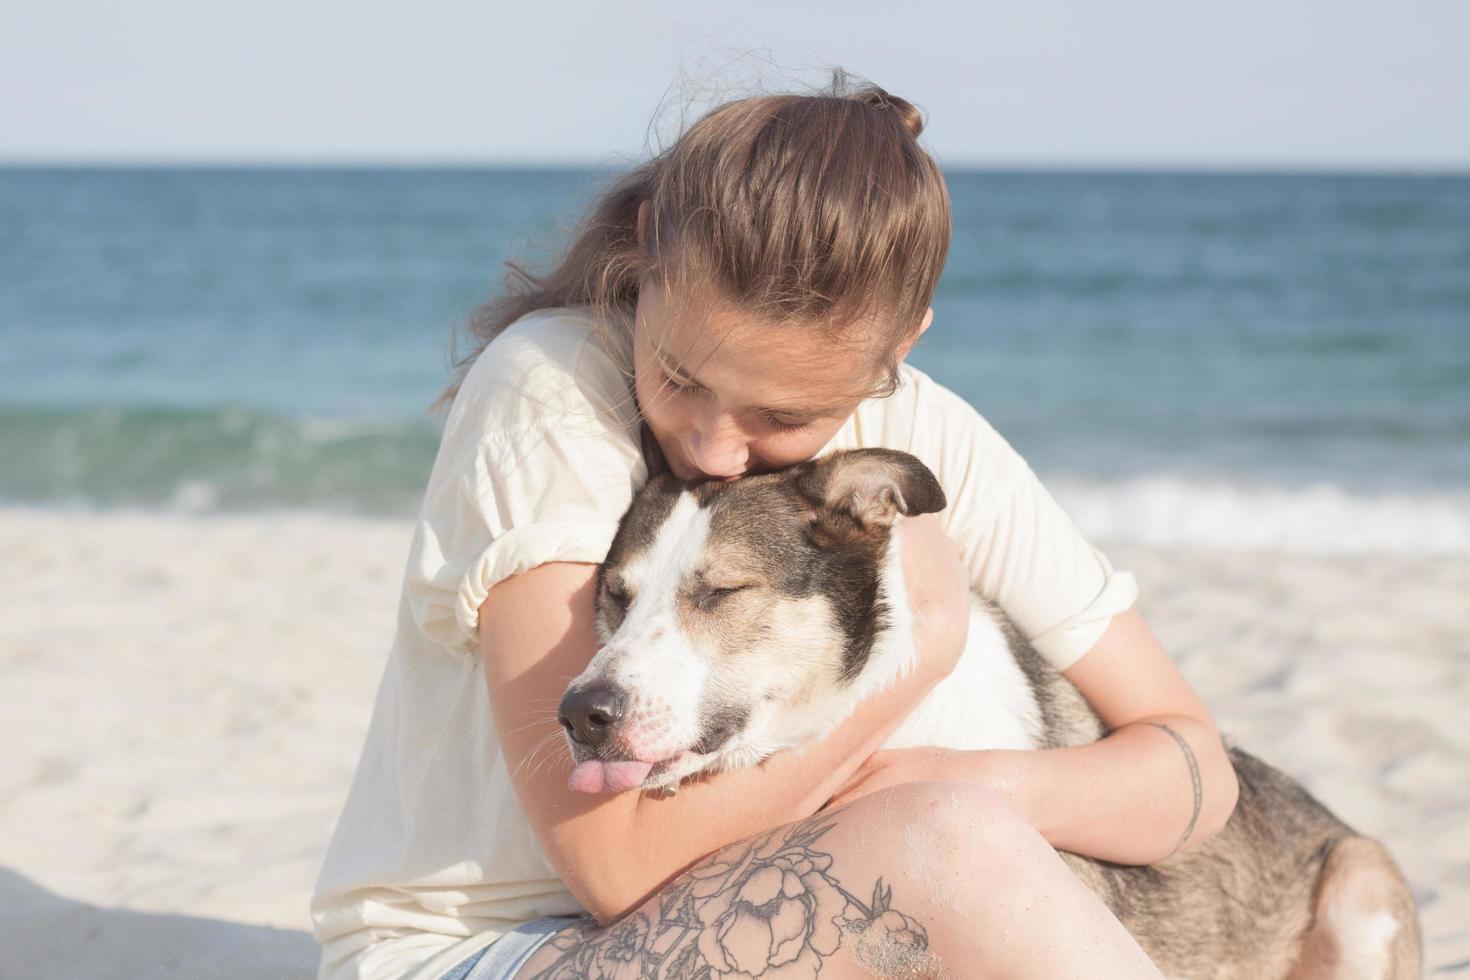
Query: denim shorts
x=502, y=958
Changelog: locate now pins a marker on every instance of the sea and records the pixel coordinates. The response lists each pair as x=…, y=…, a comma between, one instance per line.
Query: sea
x=1236, y=360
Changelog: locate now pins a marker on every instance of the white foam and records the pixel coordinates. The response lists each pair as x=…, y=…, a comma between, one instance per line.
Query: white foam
x=195, y=496
x=1317, y=519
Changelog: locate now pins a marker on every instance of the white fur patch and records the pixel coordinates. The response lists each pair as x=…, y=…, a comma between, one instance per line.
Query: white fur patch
x=1366, y=944
x=649, y=656
x=985, y=702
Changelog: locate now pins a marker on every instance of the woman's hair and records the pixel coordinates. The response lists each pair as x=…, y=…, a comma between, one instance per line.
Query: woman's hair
x=820, y=210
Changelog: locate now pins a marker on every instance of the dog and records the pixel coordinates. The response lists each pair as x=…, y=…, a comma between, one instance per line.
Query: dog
x=741, y=618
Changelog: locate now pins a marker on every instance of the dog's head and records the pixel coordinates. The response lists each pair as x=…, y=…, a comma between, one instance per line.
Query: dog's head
x=735, y=615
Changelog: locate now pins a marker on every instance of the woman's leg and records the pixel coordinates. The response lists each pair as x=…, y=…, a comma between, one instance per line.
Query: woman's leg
x=921, y=880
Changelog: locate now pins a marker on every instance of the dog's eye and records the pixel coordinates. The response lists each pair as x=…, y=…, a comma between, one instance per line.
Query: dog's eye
x=709, y=598
x=615, y=597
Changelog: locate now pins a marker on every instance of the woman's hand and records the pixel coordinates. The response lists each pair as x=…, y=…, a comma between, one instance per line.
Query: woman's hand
x=892, y=767
x=939, y=593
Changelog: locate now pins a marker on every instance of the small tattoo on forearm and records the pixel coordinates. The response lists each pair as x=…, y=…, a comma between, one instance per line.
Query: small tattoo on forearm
x=1194, y=778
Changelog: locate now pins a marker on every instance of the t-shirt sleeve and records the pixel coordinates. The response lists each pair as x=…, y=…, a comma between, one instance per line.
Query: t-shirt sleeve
x=1059, y=589
x=511, y=490
x=1021, y=548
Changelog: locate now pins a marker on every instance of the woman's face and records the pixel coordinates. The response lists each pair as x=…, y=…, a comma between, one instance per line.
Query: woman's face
x=727, y=395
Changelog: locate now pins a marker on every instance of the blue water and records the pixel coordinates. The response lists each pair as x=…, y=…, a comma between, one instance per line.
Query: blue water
x=224, y=339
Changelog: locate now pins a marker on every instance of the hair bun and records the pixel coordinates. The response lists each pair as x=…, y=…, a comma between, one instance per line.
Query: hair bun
x=912, y=119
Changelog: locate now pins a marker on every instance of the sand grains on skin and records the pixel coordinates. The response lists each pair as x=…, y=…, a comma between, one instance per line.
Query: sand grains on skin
x=885, y=954
x=925, y=859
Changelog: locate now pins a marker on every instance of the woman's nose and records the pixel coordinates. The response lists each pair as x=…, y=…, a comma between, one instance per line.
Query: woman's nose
x=719, y=449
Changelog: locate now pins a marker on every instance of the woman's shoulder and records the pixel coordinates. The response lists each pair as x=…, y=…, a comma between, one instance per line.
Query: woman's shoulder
x=550, y=367
x=537, y=463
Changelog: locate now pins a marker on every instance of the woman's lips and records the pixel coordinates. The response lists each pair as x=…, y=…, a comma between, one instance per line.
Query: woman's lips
x=693, y=474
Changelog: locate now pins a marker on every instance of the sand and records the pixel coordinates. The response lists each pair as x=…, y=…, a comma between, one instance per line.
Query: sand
x=185, y=698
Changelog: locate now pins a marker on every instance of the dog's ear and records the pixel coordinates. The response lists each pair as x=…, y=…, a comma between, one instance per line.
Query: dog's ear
x=873, y=486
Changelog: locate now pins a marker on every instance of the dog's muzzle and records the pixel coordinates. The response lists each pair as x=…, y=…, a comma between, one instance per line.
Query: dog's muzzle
x=589, y=715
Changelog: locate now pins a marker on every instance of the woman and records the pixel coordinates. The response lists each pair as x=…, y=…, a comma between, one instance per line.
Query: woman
x=743, y=301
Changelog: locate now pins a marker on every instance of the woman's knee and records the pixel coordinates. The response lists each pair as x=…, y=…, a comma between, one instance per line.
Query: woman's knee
x=955, y=830
x=931, y=856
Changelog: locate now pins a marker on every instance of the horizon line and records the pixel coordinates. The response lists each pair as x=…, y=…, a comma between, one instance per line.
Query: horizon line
x=1019, y=165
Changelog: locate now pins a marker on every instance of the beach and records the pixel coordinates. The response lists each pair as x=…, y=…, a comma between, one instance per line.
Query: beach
x=1247, y=388
x=189, y=694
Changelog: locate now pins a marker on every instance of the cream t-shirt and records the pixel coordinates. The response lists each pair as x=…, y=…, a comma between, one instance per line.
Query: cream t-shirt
x=432, y=857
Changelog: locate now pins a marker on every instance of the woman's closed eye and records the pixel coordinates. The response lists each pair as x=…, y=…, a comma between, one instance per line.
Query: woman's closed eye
x=677, y=386
x=783, y=425
x=776, y=421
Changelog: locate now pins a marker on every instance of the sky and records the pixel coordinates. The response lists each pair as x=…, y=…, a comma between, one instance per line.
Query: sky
x=1251, y=84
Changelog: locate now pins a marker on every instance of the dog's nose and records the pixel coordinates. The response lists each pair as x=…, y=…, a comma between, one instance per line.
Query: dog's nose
x=589, y=714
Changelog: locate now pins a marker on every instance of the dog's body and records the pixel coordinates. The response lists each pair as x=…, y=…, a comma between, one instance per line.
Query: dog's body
x=745, y=618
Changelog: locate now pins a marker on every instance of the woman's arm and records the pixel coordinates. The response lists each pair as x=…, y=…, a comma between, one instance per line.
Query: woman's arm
x=1130, y=796
x=1160, y=781
x=536, y=634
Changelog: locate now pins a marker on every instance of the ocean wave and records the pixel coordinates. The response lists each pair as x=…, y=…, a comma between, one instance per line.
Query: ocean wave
x=211, y=458
x=204, y=460
x=1315, y=519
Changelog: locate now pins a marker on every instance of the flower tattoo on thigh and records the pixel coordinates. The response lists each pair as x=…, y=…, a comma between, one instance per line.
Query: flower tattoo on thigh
x=768, y=908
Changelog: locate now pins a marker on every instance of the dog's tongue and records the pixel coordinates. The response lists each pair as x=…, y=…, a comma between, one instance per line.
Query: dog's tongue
x=596, y=776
